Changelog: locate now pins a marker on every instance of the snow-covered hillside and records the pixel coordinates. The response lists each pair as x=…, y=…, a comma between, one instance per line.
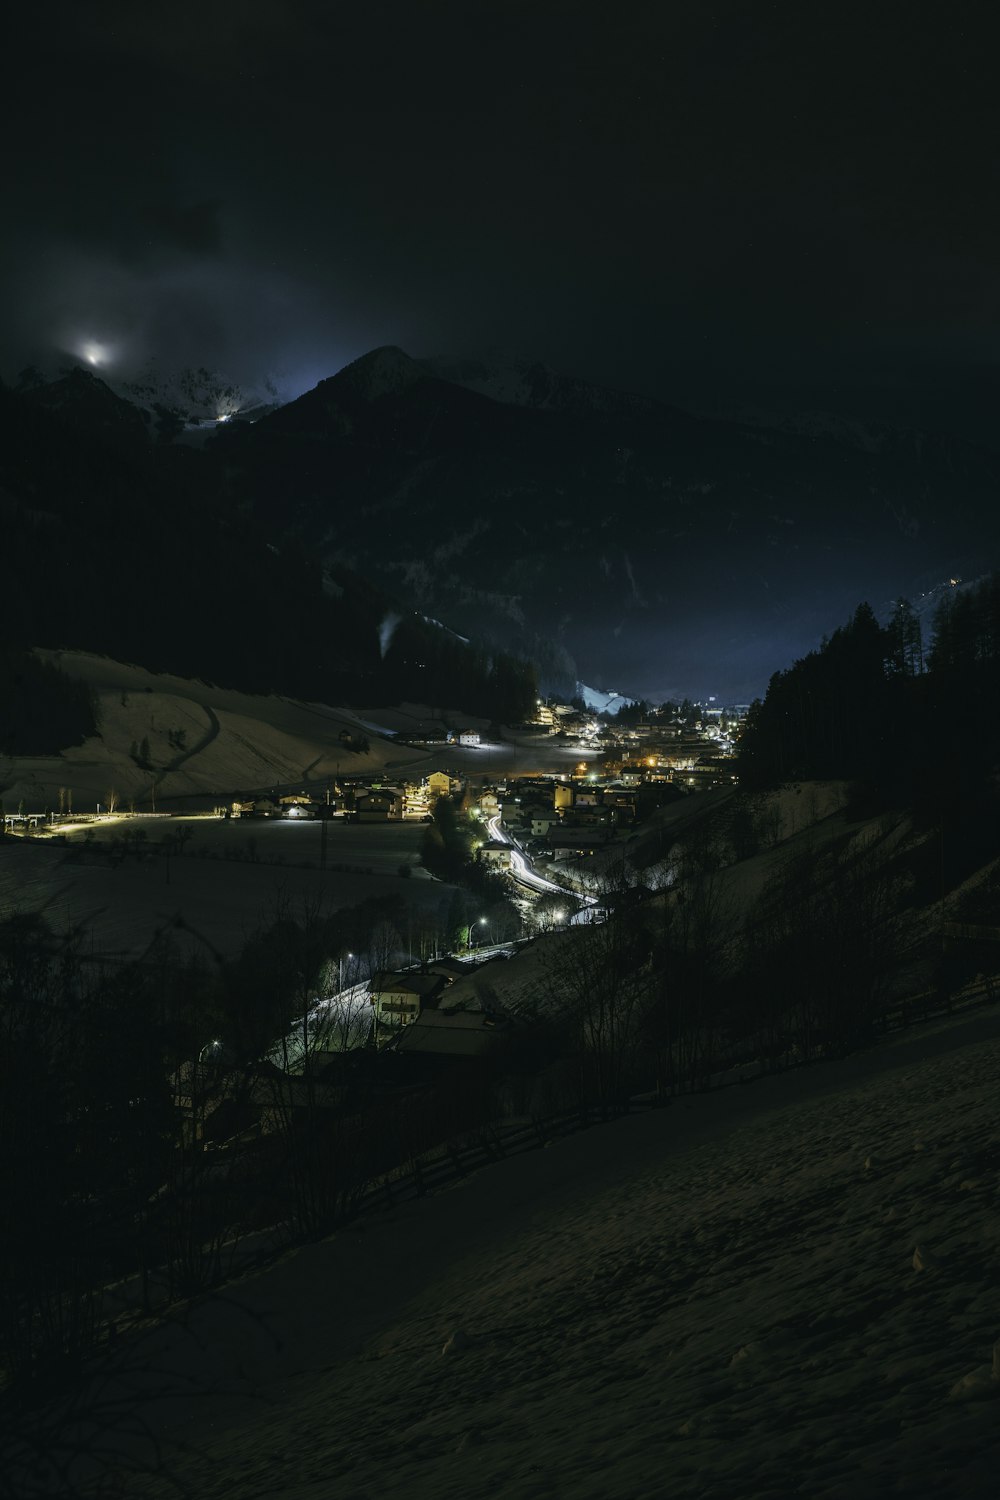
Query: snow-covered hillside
x=202, y=742
x=198, y=394
x=787, y=1288
x=601, y=702
x=206, y=743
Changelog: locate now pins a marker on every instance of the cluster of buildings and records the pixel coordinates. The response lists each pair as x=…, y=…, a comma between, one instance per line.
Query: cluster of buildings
x=692, y=751
x=573, y=816
x=372, y=799
x=438, y=1009
x=426, y=1022
x=689, y=738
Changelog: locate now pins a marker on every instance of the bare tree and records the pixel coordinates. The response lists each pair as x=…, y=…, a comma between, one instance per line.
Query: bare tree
x=383, y=945
x=341, y=1017
x=550, y=911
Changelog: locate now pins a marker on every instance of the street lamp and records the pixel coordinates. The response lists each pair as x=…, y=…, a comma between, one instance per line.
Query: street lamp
x=340, y=970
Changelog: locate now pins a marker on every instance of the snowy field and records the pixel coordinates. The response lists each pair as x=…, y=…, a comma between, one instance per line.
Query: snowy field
x=219, y=900
x=788, y=1288
x=375, y=848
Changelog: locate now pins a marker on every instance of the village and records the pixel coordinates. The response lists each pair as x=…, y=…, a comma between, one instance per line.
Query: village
x=555, y=838
x=431, y=996
x=558, y=817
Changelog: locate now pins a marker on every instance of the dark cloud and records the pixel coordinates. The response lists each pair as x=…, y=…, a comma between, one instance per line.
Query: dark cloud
x=779, y=196
x=193, y=228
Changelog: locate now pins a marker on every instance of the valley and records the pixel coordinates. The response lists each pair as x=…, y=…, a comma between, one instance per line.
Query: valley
x=499, y=752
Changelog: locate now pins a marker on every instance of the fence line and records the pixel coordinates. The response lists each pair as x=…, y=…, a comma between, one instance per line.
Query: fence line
x=453, y=1160
x=137, y=1296
x=456, y=1158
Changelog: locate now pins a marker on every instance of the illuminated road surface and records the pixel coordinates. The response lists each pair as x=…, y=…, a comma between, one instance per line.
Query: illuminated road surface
x=335, y=1023
x=524, y=874
x=343, y=1020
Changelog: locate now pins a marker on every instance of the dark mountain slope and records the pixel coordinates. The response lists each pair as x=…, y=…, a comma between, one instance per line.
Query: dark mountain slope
x=92, y=410
x=645, y=541
x=137, y=552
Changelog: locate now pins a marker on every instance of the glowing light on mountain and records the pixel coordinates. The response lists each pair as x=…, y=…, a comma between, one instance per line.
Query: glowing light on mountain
x=95, y=354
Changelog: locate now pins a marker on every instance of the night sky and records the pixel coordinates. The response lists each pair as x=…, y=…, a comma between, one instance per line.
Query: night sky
x=711, y=202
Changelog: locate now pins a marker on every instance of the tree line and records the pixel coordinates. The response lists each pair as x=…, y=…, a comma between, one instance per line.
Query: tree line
x=914, y=721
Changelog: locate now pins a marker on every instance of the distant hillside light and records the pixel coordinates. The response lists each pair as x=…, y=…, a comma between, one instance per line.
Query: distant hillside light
x=95, y=354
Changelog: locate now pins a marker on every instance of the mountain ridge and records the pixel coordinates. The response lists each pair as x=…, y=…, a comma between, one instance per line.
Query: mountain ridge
x=586, y=526
x=606, y=536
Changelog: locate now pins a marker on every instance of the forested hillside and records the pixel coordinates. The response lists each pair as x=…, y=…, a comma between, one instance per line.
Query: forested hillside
x=131, y=549
x=886, y=705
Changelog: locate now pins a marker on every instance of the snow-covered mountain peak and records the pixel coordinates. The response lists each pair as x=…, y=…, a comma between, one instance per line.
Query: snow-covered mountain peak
x=197, y=394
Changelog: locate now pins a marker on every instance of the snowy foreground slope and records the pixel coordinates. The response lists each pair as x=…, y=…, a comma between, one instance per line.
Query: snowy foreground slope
x=717, y=1299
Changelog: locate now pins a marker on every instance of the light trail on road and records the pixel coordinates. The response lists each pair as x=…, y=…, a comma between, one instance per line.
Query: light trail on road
x=524, y=874
x=343, y=1018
